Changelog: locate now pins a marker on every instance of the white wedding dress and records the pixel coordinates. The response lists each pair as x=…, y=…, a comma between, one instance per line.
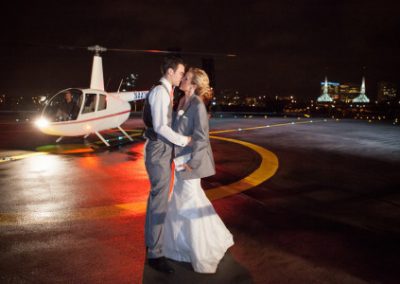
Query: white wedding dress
x=193, y=231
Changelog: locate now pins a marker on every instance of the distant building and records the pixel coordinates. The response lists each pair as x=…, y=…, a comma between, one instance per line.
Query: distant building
x=348, y=91
x=333, y=89
x=362, y=98
x=229, y=97
x=251, y=101
x=387, y=91
x=325, y=97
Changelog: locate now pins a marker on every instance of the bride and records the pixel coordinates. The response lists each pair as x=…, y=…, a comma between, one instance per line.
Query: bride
x=193, y=232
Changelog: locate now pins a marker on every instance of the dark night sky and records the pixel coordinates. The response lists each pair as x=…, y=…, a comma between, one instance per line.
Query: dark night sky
x=284, y=47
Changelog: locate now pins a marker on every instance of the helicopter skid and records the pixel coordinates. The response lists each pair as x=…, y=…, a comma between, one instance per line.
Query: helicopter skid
x=126, y=134
x=102, y=139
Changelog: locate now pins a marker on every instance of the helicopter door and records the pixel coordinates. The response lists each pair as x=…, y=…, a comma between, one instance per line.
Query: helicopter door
x=90, y=103
x=102, y=102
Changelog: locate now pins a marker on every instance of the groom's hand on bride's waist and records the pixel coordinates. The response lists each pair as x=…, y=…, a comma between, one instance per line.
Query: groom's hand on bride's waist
x=187, y=167
x=190, y=141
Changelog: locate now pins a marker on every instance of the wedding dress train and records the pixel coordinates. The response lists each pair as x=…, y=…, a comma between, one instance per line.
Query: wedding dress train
x=193, y=231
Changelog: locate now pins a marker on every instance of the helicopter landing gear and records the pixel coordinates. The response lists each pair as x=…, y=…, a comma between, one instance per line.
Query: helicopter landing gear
x=126, y=134
x=102, y=139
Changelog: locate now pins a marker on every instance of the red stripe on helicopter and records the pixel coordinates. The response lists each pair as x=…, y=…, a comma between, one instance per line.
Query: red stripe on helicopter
x=91, y=119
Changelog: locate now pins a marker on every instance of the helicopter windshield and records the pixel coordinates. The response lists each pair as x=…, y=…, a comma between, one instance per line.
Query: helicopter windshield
x=64, y=106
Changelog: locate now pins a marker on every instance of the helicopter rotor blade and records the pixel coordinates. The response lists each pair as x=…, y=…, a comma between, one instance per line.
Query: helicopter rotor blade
x=157, y=51
x=99, y=49
x=69, y=47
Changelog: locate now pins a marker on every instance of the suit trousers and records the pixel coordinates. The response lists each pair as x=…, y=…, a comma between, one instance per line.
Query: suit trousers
x=158, y=158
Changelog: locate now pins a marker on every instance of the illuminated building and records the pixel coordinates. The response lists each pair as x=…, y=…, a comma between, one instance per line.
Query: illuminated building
x=362, y=98
x=348, y=91
x=229, y=97
x=386, y=91
x=325, y=94
x=333, y=89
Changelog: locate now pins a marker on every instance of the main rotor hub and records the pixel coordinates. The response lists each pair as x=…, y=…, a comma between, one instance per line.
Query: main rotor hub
x=97, y=49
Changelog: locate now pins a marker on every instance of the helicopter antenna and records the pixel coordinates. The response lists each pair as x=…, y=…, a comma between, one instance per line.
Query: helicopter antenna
x=120, y=84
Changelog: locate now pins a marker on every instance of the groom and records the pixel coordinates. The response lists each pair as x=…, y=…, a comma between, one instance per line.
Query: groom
x=157, y=117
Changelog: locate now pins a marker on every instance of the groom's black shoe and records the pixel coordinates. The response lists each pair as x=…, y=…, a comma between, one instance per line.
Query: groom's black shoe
x=160, y=264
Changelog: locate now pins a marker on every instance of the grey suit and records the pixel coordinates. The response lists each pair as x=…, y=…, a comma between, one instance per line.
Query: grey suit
x=194, y=122
x=158, y=158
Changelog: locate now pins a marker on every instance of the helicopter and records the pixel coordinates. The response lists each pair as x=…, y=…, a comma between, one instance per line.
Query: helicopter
x=82, y=112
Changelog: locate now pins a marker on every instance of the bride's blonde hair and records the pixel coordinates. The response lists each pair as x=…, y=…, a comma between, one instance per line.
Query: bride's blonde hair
x=203, y=89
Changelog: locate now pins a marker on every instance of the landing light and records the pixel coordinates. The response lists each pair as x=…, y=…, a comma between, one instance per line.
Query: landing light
x=41, y=122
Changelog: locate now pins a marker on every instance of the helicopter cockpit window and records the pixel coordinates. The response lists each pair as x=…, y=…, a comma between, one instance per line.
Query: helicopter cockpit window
x=90, y=103
x=102, y=102
x=64, y=106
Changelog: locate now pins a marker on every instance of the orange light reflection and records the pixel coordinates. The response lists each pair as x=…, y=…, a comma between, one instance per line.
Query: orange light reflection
x=118, y=180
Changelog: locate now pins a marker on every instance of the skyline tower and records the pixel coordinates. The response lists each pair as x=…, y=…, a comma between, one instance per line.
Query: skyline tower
x=325, y=96
x=362, y=98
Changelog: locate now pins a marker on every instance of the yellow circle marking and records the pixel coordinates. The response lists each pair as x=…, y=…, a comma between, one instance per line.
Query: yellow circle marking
x=268, y=167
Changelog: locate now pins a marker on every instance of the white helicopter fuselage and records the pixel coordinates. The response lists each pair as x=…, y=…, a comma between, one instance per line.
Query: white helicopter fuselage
x=116, y=113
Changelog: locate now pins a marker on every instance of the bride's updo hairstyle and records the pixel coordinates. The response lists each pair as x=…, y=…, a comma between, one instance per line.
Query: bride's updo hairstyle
x=203, y=89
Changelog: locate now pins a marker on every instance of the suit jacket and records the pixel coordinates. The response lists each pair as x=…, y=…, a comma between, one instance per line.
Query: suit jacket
x=194, y=122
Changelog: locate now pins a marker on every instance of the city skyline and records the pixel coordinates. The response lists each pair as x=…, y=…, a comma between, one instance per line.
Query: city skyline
x=389, y=88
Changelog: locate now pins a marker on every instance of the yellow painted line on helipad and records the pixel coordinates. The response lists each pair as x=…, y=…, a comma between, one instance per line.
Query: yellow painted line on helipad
x=263, y=126
x=268, y=167
x=22, y=156
x=99, y=212
x=69, y=151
